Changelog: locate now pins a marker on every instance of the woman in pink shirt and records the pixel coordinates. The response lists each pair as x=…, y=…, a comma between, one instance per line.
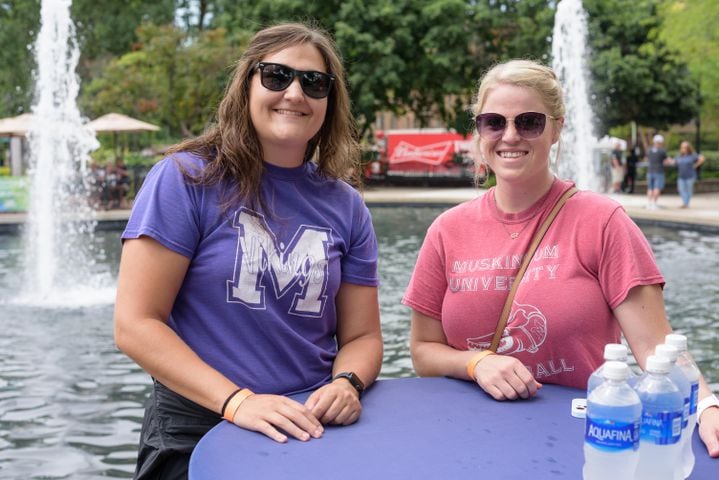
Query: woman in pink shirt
x=592, y=278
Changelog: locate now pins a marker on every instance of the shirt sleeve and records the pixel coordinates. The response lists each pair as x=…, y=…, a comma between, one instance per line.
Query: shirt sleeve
x=359, y=264
x=428, y=284
x=627, y=259
x=164, y=209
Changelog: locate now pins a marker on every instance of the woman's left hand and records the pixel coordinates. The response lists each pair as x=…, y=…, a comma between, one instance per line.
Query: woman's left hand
x=336, y=403
x=709, y=430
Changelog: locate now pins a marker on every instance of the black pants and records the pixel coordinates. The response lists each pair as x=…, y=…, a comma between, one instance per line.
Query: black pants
x=170, y=430
x=629, y=181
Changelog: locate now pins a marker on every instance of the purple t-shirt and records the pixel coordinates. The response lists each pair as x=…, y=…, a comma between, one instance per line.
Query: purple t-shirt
x=257, y=302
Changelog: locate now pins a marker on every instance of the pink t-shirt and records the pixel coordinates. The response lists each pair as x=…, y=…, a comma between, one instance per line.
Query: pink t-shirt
x=561, y=318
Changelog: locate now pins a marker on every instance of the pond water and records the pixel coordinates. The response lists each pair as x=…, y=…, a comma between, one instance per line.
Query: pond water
x=71, y=404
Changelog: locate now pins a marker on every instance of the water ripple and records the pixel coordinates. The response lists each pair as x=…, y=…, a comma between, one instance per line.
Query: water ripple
x=71, y=404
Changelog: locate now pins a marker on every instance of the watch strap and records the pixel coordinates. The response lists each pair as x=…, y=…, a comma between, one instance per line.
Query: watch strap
x=353, y=379
x=710, y=401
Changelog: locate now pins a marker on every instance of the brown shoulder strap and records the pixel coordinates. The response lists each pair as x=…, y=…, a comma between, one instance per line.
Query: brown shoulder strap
x=525, y=263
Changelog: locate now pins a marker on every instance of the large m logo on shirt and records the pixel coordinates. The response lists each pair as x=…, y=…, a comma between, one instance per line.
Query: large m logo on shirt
x=301, y=266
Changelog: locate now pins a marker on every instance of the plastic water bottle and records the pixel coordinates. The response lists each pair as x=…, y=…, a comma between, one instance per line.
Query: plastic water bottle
x=611, y=434
x=612, y=352
x=661, y=430
x=686, y=363
x=671, y=353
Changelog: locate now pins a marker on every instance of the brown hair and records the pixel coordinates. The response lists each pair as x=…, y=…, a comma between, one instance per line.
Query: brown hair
x=690, y=149
x=231, y=146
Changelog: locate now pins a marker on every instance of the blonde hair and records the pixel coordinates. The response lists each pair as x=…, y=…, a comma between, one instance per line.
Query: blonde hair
x=527, y=74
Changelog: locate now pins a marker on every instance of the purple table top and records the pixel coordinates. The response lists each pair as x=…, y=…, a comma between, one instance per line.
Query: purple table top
x=422, y=428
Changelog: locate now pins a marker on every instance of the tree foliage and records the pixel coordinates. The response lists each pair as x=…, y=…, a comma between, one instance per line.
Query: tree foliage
x=169, y=78
x=419, y=56
x=104, y=28
x=636, y=76
x=109, y=27
x=692, y=28
x=404, y=56
x=19, y=21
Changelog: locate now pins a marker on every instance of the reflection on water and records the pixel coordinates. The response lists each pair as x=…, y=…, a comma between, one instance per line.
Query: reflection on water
x=71, y=405
x=689, y=261
x=400, y=232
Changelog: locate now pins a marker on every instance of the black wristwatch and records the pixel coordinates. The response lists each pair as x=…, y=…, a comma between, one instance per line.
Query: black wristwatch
x=353, y=379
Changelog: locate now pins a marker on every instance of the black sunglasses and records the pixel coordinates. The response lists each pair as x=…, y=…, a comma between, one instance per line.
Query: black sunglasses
x=277, y=77
x=529, y=125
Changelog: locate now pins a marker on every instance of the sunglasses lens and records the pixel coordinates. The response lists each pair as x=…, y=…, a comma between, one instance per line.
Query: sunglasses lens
x=491, y=125
x=316, y=84
x=276, y=77
x=530, y=124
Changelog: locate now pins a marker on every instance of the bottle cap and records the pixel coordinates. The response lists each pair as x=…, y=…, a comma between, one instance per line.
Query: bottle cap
x=657, y=364
x=679, y=341
x=667, y=351
x=615, y=370
x=615, y=351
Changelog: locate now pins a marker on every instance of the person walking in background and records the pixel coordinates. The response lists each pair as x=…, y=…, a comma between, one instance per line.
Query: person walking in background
x=687, y=163
x=250, y=265
x=630, y=176
x=657, y=159
x=617, y=167
x=592, y=278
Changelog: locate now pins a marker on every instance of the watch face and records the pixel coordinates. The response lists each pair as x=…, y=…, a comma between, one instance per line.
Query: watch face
x=353, y=379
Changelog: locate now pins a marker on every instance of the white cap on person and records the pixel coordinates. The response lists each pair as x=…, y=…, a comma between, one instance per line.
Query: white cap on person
x=658, y=139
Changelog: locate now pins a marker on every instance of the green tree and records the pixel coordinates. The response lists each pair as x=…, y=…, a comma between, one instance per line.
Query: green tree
x=109, y=27
x=636, y=76
x=169, y=79
x=419, y=56
x=104, y=28
x=19, y=22
x=690, y=27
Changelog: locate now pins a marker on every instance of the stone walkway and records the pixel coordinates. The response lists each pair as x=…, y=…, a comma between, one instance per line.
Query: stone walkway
x=703, y=213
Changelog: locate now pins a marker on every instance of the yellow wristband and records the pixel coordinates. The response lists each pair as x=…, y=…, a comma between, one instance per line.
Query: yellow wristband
x=234, y=404
x=476, y=358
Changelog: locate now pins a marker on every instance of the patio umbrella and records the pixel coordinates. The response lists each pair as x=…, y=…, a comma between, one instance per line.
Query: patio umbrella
x=116, y=122
x=15, y=126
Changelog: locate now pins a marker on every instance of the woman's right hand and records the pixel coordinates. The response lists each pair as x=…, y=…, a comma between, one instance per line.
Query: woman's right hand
x=272, y=415
x=505, y=378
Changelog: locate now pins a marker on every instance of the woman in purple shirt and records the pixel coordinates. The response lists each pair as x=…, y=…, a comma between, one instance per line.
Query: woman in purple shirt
x=249, y=266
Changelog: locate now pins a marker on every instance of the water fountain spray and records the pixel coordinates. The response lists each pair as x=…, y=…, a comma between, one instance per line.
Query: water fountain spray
x=59, y=255
x=578, y=159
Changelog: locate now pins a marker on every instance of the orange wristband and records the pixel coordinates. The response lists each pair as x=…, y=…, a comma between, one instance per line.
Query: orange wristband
x=234, y=404
x=474, y=360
